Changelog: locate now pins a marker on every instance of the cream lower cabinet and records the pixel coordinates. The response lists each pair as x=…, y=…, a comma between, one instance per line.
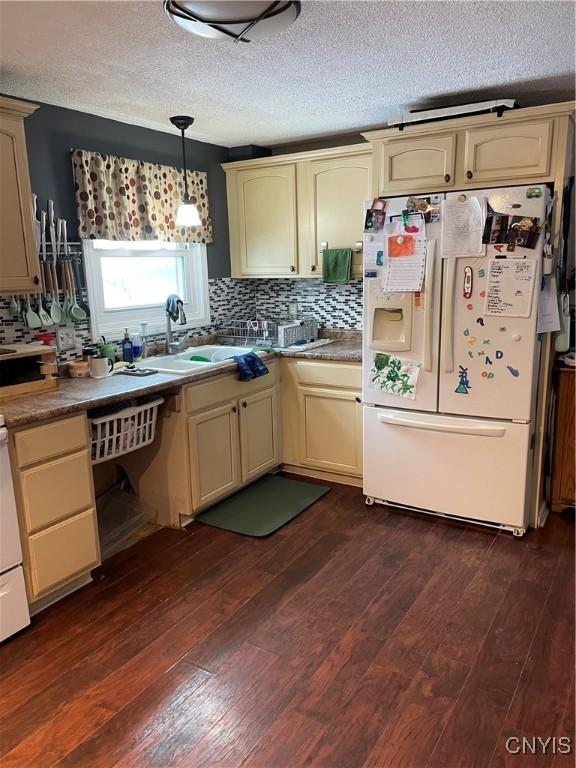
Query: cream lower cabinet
x=213, y=438
x=259, y=433
x=215, y=460
x=56, y=506
x=322, y=417
x=330, y=430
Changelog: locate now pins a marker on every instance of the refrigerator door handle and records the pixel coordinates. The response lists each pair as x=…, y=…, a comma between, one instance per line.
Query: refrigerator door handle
x=436, y=426
x=428, y=302
x=448, y=316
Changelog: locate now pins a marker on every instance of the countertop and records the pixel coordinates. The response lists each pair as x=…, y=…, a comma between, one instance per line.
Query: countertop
x=75, y=395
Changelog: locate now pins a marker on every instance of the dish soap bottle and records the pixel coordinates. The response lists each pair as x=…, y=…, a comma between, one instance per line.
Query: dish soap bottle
x=127, y=352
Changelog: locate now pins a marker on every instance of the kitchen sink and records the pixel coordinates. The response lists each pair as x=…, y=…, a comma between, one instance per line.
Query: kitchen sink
x=180, y=364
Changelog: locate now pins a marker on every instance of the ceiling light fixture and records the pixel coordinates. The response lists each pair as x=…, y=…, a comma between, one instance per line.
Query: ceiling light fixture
x=236, y=20
x=187, y=214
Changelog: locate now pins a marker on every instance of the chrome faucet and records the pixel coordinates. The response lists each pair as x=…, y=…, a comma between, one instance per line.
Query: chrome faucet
x=174, y=309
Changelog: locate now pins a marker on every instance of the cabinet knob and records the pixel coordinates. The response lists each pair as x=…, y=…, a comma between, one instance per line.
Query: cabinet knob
x=292, y=268
x=234, y=409
x=358, y=399
x=313, y=268
x=469, y=174
x=36, y=280
x=446, y=177
x=244, y=404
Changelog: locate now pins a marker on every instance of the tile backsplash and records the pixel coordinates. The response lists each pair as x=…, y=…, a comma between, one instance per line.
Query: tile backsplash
x=334, y=306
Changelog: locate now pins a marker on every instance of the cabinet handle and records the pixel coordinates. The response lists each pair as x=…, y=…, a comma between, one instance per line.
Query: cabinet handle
x=36, y=280
x=292, y=268
x=244, y=404
x=447, y=177
x=313, y=268
x=469, y=174
x=234, y=409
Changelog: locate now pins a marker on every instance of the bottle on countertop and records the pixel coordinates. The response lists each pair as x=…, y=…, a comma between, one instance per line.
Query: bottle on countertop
x=136, y=347
x=127, y=349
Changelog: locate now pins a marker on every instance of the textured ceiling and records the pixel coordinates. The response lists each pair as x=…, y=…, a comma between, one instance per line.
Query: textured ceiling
x=341, y=67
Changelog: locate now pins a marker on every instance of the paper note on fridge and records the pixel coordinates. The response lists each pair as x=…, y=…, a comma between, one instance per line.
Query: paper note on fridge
x=548, y=314
x=510, y=287
x=373, y=249
x=405, y=273
x=463, y=219
x=394, y=375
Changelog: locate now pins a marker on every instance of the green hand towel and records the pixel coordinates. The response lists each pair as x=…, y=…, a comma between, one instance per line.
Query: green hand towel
x=337, y=265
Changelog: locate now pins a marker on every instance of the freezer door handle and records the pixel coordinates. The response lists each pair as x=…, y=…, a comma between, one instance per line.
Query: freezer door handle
x=428, y=302
x=435, y=426
x=448, y=316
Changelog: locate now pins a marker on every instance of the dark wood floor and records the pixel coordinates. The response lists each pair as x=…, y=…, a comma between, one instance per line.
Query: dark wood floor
x=354, y=636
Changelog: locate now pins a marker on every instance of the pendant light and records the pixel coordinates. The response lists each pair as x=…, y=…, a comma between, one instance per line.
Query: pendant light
x=242, y=22
x=187, y=214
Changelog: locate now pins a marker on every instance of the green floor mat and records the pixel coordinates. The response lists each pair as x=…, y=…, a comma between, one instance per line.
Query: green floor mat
x=263, y=507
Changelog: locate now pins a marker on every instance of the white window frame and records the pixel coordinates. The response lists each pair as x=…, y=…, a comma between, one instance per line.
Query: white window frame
x=110, y=323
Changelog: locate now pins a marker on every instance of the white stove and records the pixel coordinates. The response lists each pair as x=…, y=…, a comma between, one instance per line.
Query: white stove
x=14, y=614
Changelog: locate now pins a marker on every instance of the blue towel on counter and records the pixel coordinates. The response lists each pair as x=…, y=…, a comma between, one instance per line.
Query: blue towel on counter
x=250, y=366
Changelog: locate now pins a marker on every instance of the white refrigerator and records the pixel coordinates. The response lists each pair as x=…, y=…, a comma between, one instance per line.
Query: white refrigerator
x=461, y=443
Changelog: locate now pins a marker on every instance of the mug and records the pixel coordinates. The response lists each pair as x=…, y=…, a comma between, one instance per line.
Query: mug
x=108, y=350
x=100, y=367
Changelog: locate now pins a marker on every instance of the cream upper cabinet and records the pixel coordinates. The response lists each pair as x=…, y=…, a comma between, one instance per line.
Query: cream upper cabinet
x=262, y=213
x=214, y=454
x=507, y=152
x=259, y=433
x=19, y=264
x=331, y=193
x=421, y=164
x=281, y=209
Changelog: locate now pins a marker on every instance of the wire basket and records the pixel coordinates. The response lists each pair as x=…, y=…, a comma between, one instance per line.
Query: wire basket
x=124, y=431
x=268, y=332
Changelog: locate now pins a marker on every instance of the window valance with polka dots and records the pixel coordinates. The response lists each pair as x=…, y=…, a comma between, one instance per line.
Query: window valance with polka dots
x=122, y=199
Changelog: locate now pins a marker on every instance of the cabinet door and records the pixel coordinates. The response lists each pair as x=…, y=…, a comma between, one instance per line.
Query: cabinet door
x=331, y=208
x=265, y=219
x=414, y=165
x=19, y=266
x=214, y=454
x=330, y=430
x=507, y=152
x=259, y=438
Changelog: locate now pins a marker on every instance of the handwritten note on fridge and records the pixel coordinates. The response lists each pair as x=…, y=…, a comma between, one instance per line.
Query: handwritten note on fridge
x=510, y=287
x=463, y=220
x=405, y=273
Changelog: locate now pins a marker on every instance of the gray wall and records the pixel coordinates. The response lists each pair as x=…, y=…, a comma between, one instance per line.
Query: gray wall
x=51, y=132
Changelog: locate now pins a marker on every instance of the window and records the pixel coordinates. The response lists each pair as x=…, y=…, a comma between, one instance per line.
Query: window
x=128, y=283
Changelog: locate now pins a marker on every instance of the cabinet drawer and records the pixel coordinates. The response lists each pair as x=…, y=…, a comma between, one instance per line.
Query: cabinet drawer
x=55, y=490
x=507, y=152
x=49, y=440
x=202, y=396
x=342, y=375
x=63, y=551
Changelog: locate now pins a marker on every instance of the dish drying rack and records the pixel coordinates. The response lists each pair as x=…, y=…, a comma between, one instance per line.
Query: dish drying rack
x=266, y=332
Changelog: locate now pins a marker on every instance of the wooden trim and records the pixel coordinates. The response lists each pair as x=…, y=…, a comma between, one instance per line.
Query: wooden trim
x=319, y=474
x=261, y=162
x=15, y=108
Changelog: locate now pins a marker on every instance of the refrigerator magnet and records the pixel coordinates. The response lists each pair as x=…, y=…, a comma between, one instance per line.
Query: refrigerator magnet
x=468, y=283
